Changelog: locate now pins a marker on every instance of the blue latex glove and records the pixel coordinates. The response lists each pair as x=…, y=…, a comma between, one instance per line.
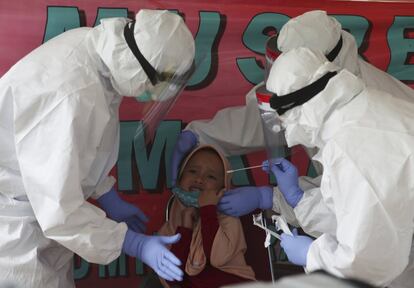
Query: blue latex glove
x=287, y=179
x=186, y=142
x=296, y=247
x=152, y=251
x=122, y=211
x=243, y=200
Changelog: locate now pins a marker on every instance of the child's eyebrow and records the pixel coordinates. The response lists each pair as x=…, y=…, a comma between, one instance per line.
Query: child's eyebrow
x=192, y=166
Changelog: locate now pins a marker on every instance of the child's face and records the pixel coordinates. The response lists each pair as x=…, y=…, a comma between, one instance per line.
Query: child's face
x=204, y=171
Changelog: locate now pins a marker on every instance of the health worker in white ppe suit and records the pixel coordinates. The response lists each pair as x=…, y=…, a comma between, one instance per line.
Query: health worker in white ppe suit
x=241, y=131
x=59, y=139
x=365, y=143
x=238, y=130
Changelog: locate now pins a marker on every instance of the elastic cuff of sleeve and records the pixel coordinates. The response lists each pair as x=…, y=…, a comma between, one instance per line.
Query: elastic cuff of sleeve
x=103, y=187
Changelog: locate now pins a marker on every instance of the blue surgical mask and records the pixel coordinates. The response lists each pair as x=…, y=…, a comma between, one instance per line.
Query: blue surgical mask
x=189, y=199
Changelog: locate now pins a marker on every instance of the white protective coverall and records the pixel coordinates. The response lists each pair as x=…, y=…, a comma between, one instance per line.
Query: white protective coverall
x=365, y=139
x=240, y=129
x=59, y=138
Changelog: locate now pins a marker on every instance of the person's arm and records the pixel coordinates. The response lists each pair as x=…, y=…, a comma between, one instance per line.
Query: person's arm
x=312, y=214
x=374, y=223
x=236, y=130
x=303, y=196
x=56, y=150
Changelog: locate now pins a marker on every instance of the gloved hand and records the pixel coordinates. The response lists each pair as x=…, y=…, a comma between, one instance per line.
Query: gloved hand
x=185, y=143
x=122, y=211
x=296, y=247
x=287, y=179
x=152, y=251
x=243, y=200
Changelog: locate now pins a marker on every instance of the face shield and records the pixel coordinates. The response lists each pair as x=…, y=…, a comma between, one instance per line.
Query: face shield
x=273, y=131
x=271, y=54
x=296, y=77
x=161, y=90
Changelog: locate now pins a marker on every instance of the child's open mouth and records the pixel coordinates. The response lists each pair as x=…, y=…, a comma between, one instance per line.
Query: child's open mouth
x=195, y=189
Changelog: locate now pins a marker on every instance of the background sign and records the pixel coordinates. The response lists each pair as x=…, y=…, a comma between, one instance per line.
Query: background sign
x=232, y=34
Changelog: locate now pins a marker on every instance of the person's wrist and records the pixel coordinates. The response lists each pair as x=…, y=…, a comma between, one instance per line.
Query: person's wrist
x=108, y=199
x=129, y=246
x=265, y=197
x=298, y=196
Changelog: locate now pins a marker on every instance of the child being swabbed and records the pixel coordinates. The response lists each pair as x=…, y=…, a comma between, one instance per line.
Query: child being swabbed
x=212, y=245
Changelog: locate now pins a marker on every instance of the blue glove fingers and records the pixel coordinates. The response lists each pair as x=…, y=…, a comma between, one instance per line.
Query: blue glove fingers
x=172, y=258
x=241, y=200
x=166, y=267
x=277, y=171
x=226, y=207
x=225, y=199
x=224, y=203
x=265, y=166
x=230, y=197
x=274, y=162
x=228, y=211
x=163, y=275
x=165, y=271
x=295, y=232
x=172, y=267
x=170, y=239
x=283, y=164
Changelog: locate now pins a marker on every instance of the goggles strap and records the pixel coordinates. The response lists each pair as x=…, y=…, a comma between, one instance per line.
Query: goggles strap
x=335, y=51
x=286, y=102
x=130, y=39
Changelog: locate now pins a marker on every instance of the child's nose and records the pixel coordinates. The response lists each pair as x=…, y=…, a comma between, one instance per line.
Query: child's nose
x=199, y=179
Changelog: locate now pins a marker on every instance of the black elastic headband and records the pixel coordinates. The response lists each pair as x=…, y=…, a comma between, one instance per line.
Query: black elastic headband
x=130, y=39
x=335, y=51
x=283, y=103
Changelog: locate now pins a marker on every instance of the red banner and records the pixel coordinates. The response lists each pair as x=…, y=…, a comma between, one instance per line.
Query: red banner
x=232, y=34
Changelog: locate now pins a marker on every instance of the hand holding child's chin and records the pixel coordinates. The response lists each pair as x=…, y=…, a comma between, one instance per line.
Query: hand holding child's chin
x=210, y=197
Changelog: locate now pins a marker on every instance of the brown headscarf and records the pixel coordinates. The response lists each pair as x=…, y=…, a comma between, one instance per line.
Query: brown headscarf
x=229, y=245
